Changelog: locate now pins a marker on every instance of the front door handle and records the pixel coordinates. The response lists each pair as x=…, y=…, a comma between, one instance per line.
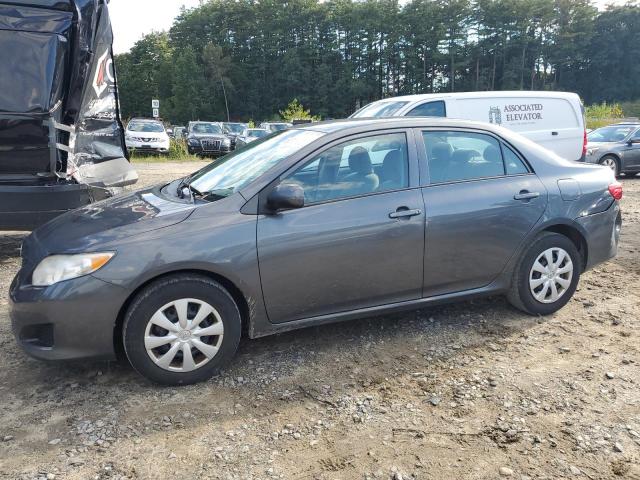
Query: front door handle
x=404, y=212
x=526, y=195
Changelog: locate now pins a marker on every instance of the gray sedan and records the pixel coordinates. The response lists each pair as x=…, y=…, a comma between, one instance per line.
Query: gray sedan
x=312, y=225
x=617, y=147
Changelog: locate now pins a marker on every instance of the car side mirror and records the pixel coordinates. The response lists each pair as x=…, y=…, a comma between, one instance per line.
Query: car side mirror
x=285, y=196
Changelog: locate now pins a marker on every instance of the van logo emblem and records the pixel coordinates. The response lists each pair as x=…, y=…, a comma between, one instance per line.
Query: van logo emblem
x=495, y=115
x=104, y=74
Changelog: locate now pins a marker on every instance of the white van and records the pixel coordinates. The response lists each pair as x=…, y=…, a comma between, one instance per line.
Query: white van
x=554, y=120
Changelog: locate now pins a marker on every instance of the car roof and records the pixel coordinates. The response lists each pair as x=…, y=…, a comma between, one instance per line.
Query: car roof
x=363, y=124
x=487, y=94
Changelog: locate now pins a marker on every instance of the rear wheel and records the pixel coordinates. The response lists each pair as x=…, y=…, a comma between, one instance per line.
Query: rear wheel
x=611, y=162
x=547, y=275
x=181, y=329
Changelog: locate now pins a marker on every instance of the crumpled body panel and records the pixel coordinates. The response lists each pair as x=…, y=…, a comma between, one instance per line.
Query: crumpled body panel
x=58, y=94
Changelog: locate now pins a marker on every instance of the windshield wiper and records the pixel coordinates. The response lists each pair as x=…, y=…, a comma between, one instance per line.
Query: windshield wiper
x=186, y=189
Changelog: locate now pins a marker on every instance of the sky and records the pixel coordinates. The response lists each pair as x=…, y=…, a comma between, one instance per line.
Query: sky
x=131, y=19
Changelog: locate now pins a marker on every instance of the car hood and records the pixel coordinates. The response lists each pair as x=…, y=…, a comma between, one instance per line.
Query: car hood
x=217, y=136
x=600, y=144
x=161, y=135
x=110, y=220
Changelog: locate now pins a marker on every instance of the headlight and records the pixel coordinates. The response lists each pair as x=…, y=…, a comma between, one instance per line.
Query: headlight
x=57, y=268
x=192, y=141
x=226, y=141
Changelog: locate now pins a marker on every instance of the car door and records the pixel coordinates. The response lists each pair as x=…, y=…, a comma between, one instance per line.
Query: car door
x=631, y=151
x=359, y=240
x=481, y=199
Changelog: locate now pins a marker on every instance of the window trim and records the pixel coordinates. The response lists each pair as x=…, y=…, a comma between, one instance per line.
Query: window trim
x=424, y=103
x=412, y=159
x=425, y=177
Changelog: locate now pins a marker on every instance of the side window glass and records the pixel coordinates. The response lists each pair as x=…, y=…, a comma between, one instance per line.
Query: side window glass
x=358, y=167
x=636, y=136
x=431, y=109
x=512, y=162
x=455, y=156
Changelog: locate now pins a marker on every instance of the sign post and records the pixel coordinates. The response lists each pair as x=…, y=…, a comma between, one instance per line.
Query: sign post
x=155, y=106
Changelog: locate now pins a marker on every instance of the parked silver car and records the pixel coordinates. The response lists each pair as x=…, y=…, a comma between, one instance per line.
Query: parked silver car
x=315, y=224
x=617, y=147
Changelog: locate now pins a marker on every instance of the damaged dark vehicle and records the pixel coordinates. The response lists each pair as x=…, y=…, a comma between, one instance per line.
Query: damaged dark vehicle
x=60, y=131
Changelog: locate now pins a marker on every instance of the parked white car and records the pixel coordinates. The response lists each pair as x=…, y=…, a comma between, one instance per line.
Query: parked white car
x=275, y=126
x=554, y=120
x=146, y=136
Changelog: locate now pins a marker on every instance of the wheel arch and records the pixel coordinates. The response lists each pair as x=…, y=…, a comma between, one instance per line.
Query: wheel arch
x=616, y=157
x=231, y=287
x=572, y=232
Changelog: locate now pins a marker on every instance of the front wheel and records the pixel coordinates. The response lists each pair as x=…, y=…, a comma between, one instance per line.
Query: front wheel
x=611, y=162
x=547, y=275
x=181, y=330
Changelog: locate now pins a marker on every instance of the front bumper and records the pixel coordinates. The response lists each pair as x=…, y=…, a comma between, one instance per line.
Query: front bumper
x=209, y=151
x=152, y=147
x=73, y=319
x=602, y=234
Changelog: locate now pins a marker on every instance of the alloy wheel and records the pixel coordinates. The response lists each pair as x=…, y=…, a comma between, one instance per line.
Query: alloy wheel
x=184, y=335
x=611, y=163
x=550, y=275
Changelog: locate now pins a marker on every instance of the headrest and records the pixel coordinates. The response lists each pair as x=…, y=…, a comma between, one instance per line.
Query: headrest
x=359, y=161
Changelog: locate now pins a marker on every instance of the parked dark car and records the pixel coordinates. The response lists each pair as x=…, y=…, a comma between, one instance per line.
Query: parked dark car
x=617, y=147
x=207, y=139
x=62, y=142
x=312, y=225
x=233, y=131
x=250, y=135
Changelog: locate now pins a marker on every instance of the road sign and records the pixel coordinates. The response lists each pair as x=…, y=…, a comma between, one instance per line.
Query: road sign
x=155, y=103
x=156, y=112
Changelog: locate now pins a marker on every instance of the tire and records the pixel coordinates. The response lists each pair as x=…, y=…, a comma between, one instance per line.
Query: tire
x=162, y=354
x=612, y=162
x=522, y=294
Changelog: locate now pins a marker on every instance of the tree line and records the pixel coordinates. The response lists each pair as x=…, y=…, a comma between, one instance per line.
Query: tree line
x=252, y=57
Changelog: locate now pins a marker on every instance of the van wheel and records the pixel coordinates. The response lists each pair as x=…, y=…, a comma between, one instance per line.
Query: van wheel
x=611, y=162
x=181, y=330
x=547, y=275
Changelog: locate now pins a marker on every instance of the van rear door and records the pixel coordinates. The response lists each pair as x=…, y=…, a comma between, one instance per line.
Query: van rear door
x=555, y=122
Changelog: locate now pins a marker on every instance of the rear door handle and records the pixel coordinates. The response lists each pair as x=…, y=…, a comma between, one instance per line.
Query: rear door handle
x=405, y=212
x=526, y=195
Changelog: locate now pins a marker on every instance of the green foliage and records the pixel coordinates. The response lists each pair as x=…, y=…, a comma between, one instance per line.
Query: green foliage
x=295, y=111
x=631, y=109
x=333, y=56
x=601, y=114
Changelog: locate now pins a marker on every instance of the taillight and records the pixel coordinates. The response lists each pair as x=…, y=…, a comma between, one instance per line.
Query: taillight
x=615, y=189
x=584, y=144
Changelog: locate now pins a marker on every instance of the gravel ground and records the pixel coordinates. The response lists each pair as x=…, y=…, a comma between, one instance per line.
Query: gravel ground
x=474, y=390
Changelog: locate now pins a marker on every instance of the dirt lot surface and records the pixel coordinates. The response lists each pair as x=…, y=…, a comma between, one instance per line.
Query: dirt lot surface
x=474, y=390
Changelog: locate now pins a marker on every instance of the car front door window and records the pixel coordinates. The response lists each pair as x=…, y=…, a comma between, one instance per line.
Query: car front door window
x=357, y=167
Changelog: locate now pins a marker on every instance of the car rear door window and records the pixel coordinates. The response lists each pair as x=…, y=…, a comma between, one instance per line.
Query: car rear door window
x=454, y=156
x=512, y=162
x=429, y=109
x=357, y=167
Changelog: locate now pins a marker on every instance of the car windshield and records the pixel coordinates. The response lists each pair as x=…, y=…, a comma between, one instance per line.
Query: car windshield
x=379, y=109
x=279, y=126
x=145, y=127
x=234, y=128
x=206, y=128
x=613, y=133
x=234, y=171
x=256, y=133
